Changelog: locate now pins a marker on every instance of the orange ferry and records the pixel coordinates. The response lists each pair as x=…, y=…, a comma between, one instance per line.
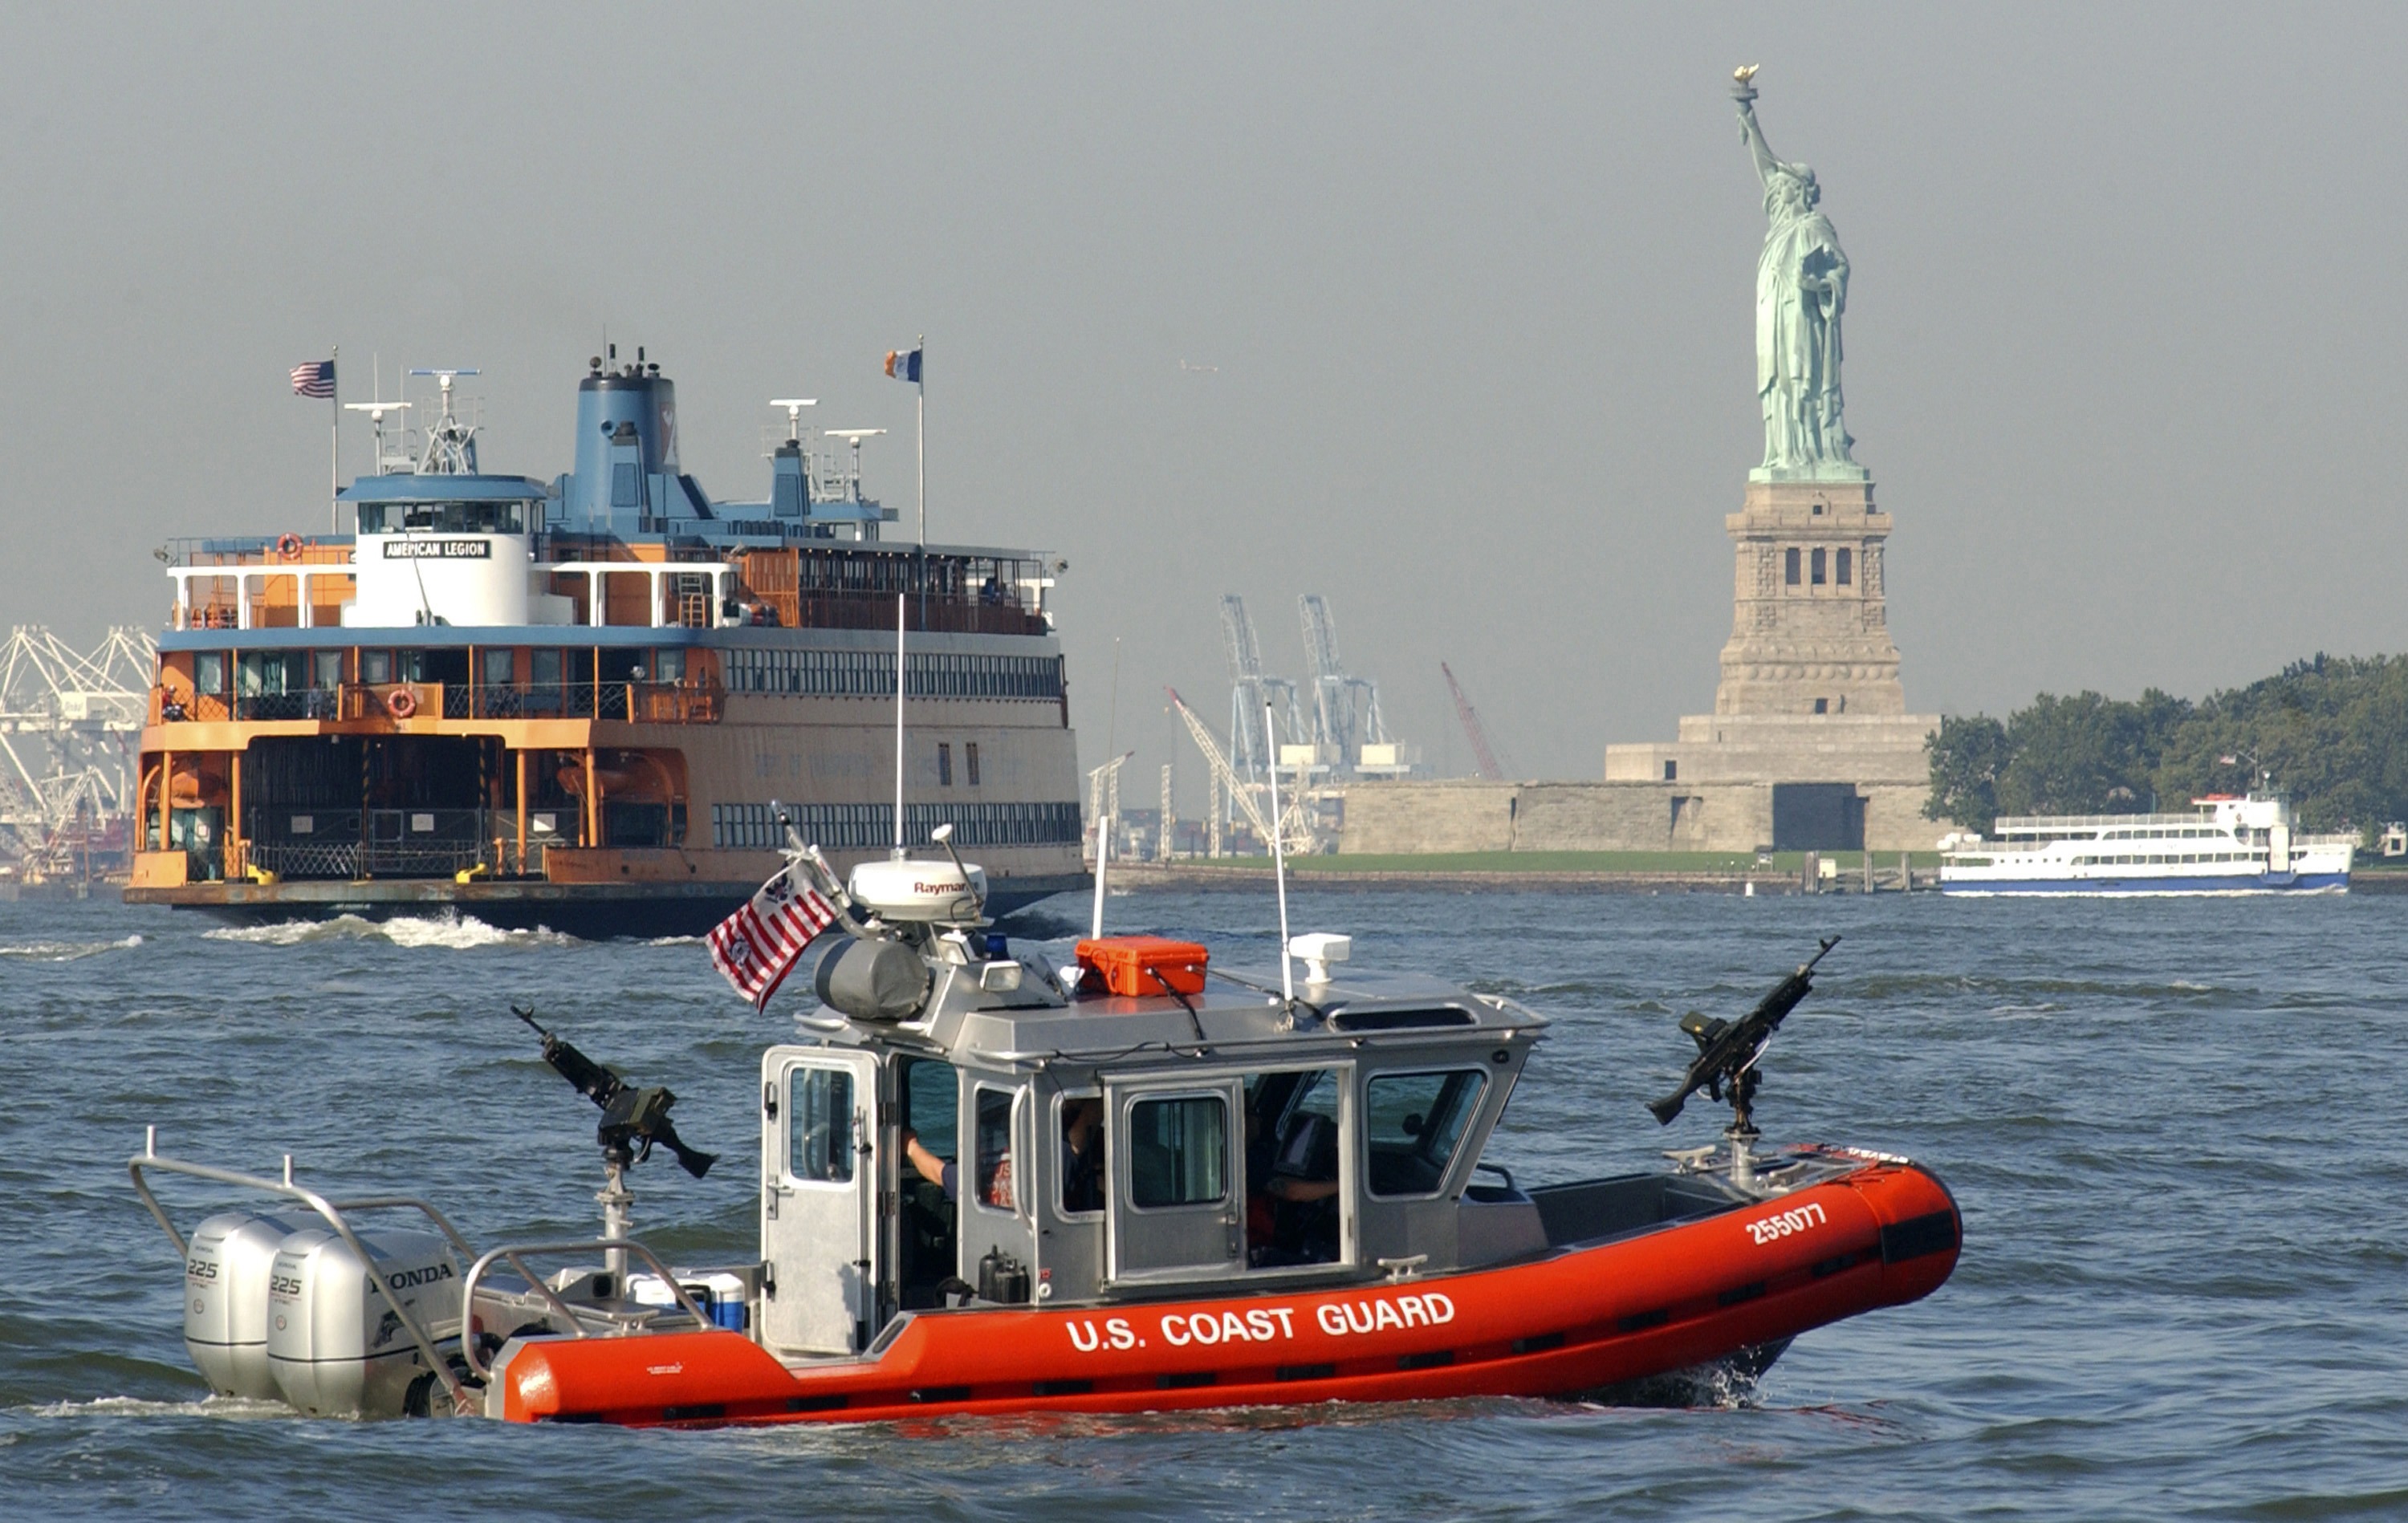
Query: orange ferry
x=585, y=704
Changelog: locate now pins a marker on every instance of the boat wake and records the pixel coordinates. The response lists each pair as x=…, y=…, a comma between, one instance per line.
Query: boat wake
x=452, y=933
x=229, y=1407
x=66, y=951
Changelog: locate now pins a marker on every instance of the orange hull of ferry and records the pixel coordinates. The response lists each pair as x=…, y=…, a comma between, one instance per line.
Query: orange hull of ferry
x=1577, y=1320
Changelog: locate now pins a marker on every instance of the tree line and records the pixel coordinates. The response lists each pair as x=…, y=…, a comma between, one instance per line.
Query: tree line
x=2331, y=732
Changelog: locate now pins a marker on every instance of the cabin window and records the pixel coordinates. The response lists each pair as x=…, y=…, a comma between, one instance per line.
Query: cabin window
x=668, y=665
x=1178, y=1151
x=1292, y=1209
x=821, y=1106
x=1843, y=567
x=1814, y=572
x=969, y=760
x=992, y=1158
x=327, y=668
x=1789, y=565
x=376, y=666
x=1412, y=1123
x=944, y=764
x=501, y=667
x=1082, y=1153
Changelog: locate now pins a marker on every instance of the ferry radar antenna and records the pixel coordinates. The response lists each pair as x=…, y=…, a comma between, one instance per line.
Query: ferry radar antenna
x=794, y=405
x=451, y=447
x=385, y=459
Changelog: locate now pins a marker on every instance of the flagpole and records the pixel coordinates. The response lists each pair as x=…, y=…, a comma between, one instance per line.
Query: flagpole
x=334, y=444
x=920, y=385
x=898, y=725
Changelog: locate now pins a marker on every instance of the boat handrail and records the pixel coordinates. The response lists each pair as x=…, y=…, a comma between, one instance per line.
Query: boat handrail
x=333, y=1212
x=510, y=1253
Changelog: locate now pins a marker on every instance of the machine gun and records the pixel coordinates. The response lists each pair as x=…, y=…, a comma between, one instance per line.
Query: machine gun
x=1727, y=1049
x=632, y=1119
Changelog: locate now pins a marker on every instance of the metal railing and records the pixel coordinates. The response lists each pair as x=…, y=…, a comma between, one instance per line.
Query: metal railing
x=574, y=1317
x=644, y=703
x=332, y=1211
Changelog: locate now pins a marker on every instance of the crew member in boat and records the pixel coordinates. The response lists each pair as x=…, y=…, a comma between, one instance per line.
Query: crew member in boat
x=1083, y=1154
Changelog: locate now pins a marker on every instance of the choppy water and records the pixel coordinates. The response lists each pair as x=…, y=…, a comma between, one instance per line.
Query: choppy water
x=2175, y=1128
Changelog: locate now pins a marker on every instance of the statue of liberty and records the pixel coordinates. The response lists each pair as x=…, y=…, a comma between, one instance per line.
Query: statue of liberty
x=1801, y=290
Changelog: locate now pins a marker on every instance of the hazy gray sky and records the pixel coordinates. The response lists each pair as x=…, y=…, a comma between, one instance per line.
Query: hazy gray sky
x=2126, y=343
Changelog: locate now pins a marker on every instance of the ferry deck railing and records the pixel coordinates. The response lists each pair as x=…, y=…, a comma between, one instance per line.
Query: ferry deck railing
x=640, y=703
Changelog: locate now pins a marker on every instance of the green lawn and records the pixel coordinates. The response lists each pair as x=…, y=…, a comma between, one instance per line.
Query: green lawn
x=1716, y=862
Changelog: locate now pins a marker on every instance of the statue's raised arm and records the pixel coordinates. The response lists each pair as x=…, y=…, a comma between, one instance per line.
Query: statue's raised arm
x=1750, y=132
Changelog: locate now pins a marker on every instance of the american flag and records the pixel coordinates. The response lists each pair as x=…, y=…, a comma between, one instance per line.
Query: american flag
x=316, y=378
x=756, y=948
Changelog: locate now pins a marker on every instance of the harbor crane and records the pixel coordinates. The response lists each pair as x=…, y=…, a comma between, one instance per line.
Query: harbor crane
x=1104, y=800
x=68, y=724
x=1345, y=709
x=1294, y=831
x=1483, y=752
x=1251, y=750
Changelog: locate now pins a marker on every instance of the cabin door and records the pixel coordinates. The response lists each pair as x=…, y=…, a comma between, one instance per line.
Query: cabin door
x=1175, y=1161
x=819, y=1198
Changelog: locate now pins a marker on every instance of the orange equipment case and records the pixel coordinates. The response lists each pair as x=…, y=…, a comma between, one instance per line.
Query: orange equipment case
x=1128, y=965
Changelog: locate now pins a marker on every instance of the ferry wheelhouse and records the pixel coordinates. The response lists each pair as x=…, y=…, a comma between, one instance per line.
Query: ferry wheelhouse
x=987, y=1185
x=2226, y=845
x=583, y=704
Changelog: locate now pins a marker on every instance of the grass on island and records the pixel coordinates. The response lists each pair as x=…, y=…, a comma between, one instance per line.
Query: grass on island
x=1705, y=863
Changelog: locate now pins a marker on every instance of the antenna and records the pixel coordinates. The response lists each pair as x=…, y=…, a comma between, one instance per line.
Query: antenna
x=794, y=405
x=1103, y=854
x=899, y=677
x=1279, y=871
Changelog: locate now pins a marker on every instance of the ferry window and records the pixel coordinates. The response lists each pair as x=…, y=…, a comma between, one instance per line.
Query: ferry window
x=944, y=764
x=543, y=668
x=328, y=668
x=1082, y=1153
x=372, y=518
x=1412, y=1123
x=208, y=672
x=501, y=667
x=668, y=665
x=1844, y=566
x=821, y=1108
x=1179, y=1151
x=1789, y=559
x=969, y=760
x=376, y=666
x=992, y=1158
x=1815, y=572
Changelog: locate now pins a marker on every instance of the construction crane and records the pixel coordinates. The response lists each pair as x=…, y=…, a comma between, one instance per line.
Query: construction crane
x=1345, y=709
x=1104, y=800
x=1295, y=833
x=68, y=724
x=1254, y=747
x=1471, y=728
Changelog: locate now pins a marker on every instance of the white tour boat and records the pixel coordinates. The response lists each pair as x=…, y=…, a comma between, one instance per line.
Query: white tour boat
x=2227, y=844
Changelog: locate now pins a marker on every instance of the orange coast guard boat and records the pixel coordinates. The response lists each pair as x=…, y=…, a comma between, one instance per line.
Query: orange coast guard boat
x=1141, y=1183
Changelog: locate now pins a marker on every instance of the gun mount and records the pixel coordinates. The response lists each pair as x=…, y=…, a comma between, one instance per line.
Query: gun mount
x=633, y=1119
x=1728, y=1051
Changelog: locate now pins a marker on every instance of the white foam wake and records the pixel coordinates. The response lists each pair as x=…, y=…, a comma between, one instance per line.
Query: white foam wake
x=451, y=932
x=65, y=951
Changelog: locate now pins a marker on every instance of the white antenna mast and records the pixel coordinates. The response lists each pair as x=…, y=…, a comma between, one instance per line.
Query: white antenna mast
x=1279, y=864
x=1103, y=853
x=899, y=726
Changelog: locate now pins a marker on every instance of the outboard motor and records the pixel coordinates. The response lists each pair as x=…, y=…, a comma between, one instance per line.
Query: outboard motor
x=226, y=1268
x=335, y=1345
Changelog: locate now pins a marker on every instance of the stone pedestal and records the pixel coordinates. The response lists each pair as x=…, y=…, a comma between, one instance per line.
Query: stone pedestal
x=1810, y=631
x=1809, y=744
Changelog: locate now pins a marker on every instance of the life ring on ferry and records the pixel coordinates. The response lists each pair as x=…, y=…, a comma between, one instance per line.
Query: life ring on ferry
x=400, y=702
x=289, y=546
